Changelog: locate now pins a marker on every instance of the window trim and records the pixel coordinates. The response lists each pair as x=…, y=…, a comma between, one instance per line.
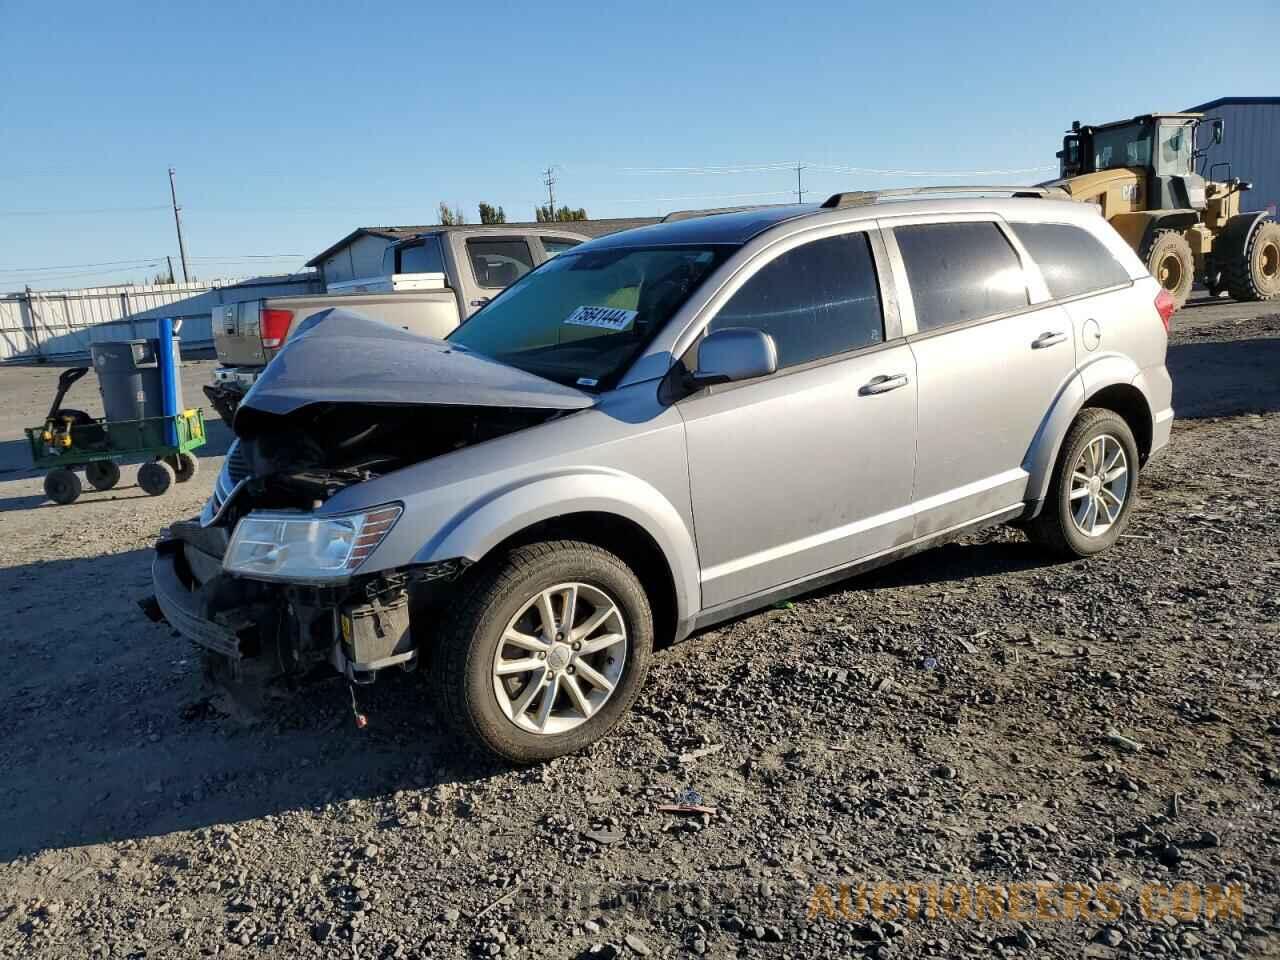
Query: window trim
x=471, y=263
x=1037, y=293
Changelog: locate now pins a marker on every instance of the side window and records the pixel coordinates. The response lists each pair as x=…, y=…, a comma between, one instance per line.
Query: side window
x=816, y=301
x=421, y=257
x=558, y=245
x=1071, y=260
x=499, y=263
x=960, y=272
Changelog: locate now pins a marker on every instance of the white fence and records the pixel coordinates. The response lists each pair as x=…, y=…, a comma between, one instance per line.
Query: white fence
x=61, y=324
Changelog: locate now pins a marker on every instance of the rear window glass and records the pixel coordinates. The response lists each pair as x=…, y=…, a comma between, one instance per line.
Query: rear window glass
x=499, y=263
x=960, y=272
x=421, y=257
x=1071, y=260
x=557, y=245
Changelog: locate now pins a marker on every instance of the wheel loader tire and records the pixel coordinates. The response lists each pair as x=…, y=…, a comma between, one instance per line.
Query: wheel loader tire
x=1169, y=259
x=1255, y=275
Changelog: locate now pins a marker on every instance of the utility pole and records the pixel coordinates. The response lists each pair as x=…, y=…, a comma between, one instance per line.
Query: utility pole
x=177, y=222
x=549, y=179
x=170, y=259
x=799, y=188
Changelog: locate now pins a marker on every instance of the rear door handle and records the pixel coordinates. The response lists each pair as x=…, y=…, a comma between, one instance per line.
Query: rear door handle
x=1049, y=338
x=883, y=384
x=481, y=302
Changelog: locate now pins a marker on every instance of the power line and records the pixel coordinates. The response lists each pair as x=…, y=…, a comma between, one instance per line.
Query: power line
x=88, y=211
x=710, y=196
x=76, y=266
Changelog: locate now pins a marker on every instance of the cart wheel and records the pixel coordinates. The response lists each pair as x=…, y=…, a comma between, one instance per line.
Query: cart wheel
x=155, y=477
x=62, y=485
x=185, y=466
x=102, y=474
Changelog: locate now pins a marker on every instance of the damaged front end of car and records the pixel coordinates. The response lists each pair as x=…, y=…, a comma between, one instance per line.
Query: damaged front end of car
x=267, y=576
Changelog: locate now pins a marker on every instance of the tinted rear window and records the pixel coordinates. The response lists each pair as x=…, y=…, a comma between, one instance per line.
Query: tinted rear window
x=499, y=263
x=960, y=272
x=1071, y=260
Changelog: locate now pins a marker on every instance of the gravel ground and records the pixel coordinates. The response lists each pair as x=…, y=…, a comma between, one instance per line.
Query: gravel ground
x=977, y=715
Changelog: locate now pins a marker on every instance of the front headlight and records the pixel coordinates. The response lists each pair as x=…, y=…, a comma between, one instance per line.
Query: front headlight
x=281, y=546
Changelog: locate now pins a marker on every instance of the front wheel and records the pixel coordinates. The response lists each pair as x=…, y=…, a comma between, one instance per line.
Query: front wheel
x=1255, y=274
x=546, y=651
x=1169, y=258
x=1093, y=488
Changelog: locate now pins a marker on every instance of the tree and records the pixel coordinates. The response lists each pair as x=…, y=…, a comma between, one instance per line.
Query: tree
x=546, y=215
x=451, y=216
x=491, y=214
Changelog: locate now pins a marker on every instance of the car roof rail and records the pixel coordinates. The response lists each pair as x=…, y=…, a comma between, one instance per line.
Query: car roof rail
x=855, y=198
x=714, y=211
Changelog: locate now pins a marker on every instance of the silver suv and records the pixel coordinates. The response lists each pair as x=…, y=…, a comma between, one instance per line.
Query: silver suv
x=666, y=428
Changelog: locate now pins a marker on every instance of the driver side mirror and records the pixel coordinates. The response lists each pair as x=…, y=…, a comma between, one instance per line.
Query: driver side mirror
x=734, y=353
x=1218, y=127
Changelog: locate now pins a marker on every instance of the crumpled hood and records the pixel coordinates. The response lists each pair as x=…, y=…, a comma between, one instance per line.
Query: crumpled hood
x=341, y=357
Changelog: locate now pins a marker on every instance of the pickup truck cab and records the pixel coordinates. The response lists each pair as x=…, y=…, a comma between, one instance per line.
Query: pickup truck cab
x=429, y=284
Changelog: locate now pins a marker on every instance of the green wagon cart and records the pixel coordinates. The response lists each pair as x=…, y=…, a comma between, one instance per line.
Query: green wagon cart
x=69, y=439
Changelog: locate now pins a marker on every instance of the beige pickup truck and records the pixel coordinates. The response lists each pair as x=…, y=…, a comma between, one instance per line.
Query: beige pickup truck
x=428, y=284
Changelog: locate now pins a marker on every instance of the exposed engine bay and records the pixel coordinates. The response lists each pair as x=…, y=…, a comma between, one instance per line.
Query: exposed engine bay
x=295, y=462
x=346, y=401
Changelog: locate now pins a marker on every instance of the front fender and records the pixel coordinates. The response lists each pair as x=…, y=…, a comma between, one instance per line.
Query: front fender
x=1095, y=376
x=1234, y=238
x=489, y=520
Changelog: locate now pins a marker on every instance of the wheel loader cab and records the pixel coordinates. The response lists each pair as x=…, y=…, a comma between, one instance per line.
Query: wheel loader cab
x=1159, y=150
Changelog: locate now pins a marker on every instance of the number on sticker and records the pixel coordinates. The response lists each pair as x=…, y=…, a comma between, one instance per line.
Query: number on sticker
x=606, y=318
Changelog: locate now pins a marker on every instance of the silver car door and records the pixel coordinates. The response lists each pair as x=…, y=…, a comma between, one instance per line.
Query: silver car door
x=808, y=469
x=990, y=364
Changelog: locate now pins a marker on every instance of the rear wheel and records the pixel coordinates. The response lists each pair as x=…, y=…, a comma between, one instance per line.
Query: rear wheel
x=155, y=477
x=546, y=651
x=1255, y=275
x=1093, y=488
x=1169, y=259
x=62, y=485
x=102, y=474
x=185, y=466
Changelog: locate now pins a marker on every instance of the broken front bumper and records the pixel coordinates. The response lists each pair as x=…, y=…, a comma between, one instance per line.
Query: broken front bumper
x=183, y=603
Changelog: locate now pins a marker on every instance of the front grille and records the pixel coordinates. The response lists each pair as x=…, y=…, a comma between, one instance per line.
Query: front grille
x=234, y=469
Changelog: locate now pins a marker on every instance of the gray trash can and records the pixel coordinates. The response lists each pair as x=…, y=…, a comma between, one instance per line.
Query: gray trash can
x=129, y=378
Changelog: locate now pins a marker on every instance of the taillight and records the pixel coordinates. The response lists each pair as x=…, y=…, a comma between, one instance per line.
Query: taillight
x=275, y=326
x=1165, y=306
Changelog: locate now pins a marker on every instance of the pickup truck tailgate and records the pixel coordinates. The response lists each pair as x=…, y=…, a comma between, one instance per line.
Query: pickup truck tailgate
x=237, y=333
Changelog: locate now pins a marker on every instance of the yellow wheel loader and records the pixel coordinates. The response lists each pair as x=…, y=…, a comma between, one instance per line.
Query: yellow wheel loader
x=1142, y=173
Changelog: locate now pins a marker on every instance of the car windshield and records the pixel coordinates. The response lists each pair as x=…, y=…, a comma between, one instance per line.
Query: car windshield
x=582, y=317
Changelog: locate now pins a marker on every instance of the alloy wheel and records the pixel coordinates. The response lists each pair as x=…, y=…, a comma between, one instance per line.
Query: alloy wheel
x=1099, y=485
x=560, y=658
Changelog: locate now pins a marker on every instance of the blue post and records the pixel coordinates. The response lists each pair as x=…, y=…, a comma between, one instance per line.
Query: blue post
x=165, y=354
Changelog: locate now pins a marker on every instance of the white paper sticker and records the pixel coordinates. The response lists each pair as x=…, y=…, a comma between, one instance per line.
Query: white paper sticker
x=606, y=318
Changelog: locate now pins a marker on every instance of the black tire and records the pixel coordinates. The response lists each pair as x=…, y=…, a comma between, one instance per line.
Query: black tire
x=62, y=485
x=102, y=474
x=185, y=466
x=462, y=659
x=1255, y=275
x=155, y=477
x=1055, y=527
x=1169, y=259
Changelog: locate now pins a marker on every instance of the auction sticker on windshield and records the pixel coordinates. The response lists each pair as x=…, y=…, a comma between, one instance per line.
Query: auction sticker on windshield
x=606, y=318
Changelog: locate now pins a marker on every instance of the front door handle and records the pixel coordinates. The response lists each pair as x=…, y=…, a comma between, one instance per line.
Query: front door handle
x=883, y=384
x=481, y=302
x=1049, y=338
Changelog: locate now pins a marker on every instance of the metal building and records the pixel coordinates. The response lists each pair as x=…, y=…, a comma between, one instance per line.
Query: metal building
x=1250, y=145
